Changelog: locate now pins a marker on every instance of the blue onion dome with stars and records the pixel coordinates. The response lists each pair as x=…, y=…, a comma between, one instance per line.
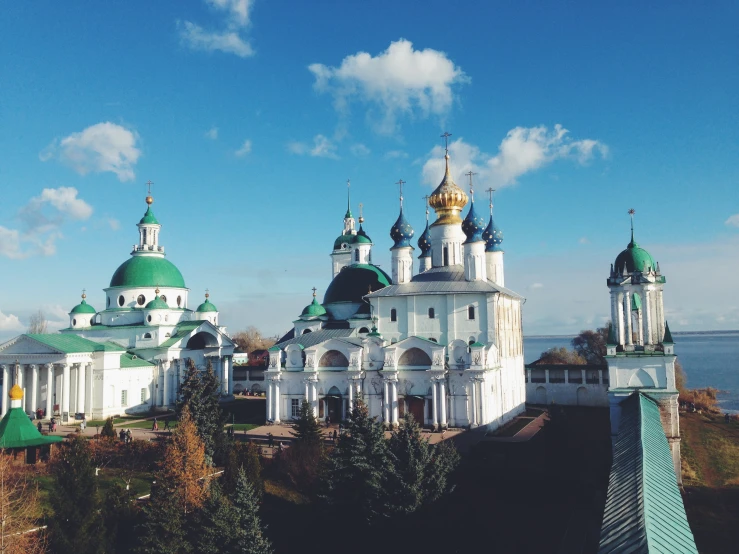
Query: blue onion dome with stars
x=424, y=242
x=402, y=232
x=473, y=225
x=493, y=237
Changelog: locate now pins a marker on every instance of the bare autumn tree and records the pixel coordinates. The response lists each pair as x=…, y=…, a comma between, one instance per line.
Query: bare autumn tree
x=591, y=345
x=252, y=339
x=37, y=323
x=561, y=356
x=18, y=511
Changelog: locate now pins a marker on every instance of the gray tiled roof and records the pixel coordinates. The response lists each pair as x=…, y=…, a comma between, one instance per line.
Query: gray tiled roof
x=317, y=337
x=442, y=280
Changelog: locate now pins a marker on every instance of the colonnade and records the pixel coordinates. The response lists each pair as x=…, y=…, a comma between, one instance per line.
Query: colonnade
x=649, y=324
x=42, y=390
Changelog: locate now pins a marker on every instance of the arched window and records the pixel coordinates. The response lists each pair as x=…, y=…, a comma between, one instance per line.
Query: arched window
x=472, y=341
x=306, y=331
x=432, y=314
x=445, y=261
x=141, y=300
x=147, y=335
x=393, y=315
x=470, y=312
x=433, y=339
x=107, y=302
x=356, y=255
x=121, y=300
x=364, y=330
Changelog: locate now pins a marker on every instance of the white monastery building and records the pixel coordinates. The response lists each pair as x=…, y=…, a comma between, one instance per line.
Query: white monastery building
x=129, y=357
x=444, y=344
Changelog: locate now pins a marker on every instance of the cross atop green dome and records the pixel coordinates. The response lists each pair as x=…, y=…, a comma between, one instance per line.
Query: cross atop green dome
x=83, y=307
x=207, y=306
x=314, y=309
x=149, y=218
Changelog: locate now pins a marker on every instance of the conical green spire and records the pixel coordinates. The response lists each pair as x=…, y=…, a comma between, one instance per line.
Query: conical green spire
x=668, y=336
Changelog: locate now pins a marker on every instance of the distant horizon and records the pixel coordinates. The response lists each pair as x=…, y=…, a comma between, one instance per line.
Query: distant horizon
x=681, y=333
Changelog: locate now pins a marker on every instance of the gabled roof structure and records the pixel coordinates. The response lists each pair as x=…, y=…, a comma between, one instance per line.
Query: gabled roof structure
x=644, y=510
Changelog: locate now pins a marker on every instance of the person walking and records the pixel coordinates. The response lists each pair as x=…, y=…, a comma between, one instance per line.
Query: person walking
x=270, y=439
x=122, y=435
x=166, y=424
x=155, y=425
x=39, y=426
x=129, y=436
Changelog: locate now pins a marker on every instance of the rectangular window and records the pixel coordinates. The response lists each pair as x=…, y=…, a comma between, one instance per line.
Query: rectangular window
x=295, y=403
x=470, y=312
x=431, y=313
x=124, y=398
x=393, y=315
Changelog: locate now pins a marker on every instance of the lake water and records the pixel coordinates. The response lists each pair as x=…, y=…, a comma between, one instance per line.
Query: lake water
x=709, y=359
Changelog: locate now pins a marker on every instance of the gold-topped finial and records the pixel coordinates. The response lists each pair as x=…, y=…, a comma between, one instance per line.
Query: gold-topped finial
x=83, y=294
x=207, y=294
x=16, y=393
x=361, y=217
x=448, y=199
x=149, y=199
x=314, y=292
x=156, y=290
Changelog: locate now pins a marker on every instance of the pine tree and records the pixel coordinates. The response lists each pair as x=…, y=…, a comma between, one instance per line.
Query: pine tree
x=184, y=463
x=421, y=469
x=216, y=528
x=76, y=526
x=359, y=469
x=108, y=430
x=243, y=456
x=162, y=528
x=251, y=538
x=120, y=515
x=200, y=394
x=306, y=428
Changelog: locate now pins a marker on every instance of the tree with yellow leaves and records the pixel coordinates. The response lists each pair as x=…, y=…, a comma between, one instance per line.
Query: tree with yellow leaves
x=18, y=511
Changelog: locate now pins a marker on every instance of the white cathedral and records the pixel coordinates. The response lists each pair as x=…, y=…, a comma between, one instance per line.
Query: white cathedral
x=444, y=344
x=129, y=357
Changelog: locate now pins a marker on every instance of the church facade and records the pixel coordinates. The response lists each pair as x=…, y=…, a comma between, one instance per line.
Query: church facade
x=443, y=344
x=129, y=357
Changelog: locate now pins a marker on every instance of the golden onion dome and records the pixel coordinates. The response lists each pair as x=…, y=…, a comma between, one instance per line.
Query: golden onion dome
x=16, y=393
x=448, y=200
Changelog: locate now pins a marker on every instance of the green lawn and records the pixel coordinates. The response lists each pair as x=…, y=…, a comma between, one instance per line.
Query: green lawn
x=146, y=424
x=244, y=426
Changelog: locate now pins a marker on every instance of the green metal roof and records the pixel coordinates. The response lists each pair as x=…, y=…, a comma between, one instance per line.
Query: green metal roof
x=343, y=239
x=635, y=303
x=207, y=306
x=668, y=336
x=17, y=431
x=147, y=271
x=314, y=309
x=149, y=218
x=181, y=331
x=132, y=360
x=634, y=258
x=83, y=308
x=71, y=344
x=644, y=510
x=354, y=281
x=157, y=304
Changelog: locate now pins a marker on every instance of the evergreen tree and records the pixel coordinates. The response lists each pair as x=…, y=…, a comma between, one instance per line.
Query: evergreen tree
x=421, y=469
x=108, y=430
x=359, y=469
x=120, y=515
x=216, y=528
x=243, y=456
x=305, y=428
x=162, y=528
x=76, y=525
x=251, y=539
x=200, y=394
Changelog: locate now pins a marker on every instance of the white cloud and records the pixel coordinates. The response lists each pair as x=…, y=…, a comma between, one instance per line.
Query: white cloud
x=244, y=150
x=41, y=221
x=395, y=154
x=322, y=148
x=399, y=80
x=230, y=39
x=733, y=221
x=524, y=149
x=536, y=286
x=359, y=149
x=583, y=240
x=197, y=38
x=10, y=322
x=98, y=148
x=212, y=133
x=113, y=223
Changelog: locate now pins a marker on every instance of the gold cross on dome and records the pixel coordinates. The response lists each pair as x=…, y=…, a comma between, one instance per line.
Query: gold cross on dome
x=314, y=292
x=148, y=184
x=446, y=136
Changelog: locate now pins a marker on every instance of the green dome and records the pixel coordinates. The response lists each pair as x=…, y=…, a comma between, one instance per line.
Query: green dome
x=149, y=217
x=343, y=239
x=633, y=259
x=83, y=308
x=314, y=309
x=147, y=271
x=362, y=239
x=355, y=281
x=157, y=304
x=207, y=306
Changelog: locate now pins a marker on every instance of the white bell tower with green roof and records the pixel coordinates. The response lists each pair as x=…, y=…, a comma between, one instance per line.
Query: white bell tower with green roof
x=640, y=351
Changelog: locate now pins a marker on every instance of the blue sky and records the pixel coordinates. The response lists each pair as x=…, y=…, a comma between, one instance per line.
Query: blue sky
x=249, y=117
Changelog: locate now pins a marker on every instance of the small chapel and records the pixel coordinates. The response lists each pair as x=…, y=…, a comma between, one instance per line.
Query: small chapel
x=442, y=343
x=129, y=357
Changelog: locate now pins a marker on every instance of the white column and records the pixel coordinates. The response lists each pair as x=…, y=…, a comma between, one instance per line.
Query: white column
x=620, y=322
x=614, y=314
x=640, y=318
x=165, y=383
x=351, y=396
x=81, y=389
x=386, y=402
x=483, y=403
x=65, y=391
x=88, y=390
x=307, y=391
x=434, y=405
x=277, y=402
x=49, y=389
x=314, y=396
x=648, y=338
x=34, y=387
x=269, y=400
x=474, y=402
x=442, y=403
x=394, y=385
x=627, y=309
x=6, y=389
x=228, y=374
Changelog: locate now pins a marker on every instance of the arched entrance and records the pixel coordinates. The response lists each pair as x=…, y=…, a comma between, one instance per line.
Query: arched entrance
x=541, y=395
x=582, y=396
x=334, y=401
x=414, y=406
